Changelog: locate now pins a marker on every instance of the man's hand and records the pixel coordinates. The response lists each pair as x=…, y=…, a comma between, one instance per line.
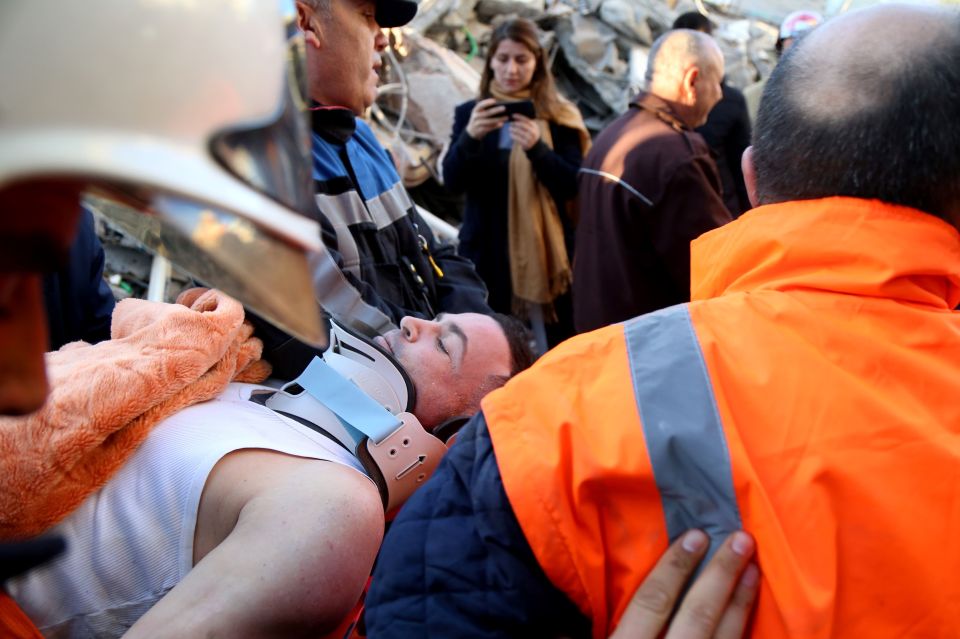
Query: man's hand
x=524, y=131
x=486, y=116
x=718, y=604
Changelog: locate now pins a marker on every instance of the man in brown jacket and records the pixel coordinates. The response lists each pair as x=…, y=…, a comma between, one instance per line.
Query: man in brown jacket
x=648, y=187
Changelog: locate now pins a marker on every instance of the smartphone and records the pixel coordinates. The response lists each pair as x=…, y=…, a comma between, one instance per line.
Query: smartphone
x=523, y=107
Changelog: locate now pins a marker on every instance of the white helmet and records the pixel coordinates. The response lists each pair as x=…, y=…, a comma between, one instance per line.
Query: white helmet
x=189, y=111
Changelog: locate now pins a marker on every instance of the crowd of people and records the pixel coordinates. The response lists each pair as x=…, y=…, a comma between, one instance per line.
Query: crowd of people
x=538, y=195
x=741, y=440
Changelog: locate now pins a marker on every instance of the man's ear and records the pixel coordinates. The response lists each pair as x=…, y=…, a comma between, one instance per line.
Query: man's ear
x=688, y=89
x=308, y=24
x=750, y=176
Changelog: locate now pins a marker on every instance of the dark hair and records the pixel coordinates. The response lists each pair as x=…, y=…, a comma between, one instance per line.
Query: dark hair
x=543, y=91
x=522, y=356
x=519, y=339
x=903, y=147
x=693, y=20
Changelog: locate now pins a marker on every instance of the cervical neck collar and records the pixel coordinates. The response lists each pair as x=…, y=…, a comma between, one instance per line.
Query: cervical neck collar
x=360, y=396
x=371, y=368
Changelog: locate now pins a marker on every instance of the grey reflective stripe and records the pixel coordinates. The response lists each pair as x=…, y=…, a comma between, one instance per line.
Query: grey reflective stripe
x=347, y=209
x=339, y=298
x=382, y=210
x=341, y=210
x=349, y=252
x=685, y=439
x=616, y=180
x=391, y=205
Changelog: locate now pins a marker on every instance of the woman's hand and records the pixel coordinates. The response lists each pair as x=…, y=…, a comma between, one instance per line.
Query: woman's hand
x=485, y=117
x=524, y=131
x=718, y=604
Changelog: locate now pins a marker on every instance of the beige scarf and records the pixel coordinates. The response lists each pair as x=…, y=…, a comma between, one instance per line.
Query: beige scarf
x=539, y=264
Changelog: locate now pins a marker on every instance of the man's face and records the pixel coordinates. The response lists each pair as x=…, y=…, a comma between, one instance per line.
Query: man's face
x=39, y=221
x=344, y=56
x=448, y=359
x=708, y=89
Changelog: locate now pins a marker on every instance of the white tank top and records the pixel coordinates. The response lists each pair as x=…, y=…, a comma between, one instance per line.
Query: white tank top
x=132, y=541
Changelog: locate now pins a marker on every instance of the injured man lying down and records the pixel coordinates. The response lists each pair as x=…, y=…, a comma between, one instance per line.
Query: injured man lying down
x=223, y=523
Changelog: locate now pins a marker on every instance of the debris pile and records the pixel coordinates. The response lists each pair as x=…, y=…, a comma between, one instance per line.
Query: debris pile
x=598, y=51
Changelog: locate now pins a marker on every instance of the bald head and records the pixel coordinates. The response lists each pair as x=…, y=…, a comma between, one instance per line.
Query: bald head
x=685, y=68
x=866, y=106
x=851, y=65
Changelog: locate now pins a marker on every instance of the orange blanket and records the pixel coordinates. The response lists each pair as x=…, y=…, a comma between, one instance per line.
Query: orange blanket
x=106, y=397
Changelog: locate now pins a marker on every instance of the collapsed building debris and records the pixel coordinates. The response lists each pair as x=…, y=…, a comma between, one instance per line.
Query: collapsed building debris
x=598, y=51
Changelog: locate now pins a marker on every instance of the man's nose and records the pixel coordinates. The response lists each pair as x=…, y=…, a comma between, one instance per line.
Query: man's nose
x=414, y=327
x=380, y=41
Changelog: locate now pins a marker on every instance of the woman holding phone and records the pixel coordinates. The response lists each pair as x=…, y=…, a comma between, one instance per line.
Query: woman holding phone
x=515, y=152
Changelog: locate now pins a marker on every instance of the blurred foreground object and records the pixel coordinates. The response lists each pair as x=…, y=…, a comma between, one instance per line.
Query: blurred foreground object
x=184, y=123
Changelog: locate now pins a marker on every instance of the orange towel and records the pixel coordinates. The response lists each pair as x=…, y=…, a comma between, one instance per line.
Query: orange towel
x=106, y=397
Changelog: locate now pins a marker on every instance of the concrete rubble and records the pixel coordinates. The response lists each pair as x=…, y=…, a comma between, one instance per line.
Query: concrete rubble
x=598, y=51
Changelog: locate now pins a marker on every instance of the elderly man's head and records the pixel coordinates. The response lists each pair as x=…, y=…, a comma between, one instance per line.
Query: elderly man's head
x=344, y=41
x=865, y=106
x=685, y=68
x=456, y=359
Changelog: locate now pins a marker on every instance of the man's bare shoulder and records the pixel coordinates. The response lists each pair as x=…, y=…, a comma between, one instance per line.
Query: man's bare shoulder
x=298, y=537
x=252, y=481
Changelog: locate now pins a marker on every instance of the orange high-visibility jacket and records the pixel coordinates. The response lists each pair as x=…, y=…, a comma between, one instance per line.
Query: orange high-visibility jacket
x=810, y=393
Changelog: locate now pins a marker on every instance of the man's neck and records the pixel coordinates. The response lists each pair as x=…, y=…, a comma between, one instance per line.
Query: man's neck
x=669, y=111
x=337, y=124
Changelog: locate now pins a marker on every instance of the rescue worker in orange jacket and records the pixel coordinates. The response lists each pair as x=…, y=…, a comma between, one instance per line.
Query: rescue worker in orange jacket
x=808, y=393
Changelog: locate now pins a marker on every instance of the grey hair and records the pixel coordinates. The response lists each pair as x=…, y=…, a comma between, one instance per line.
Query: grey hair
x=319, y=6
x=672, y=51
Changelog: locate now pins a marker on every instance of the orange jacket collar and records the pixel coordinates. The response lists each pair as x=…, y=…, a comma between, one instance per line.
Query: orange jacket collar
x=839, y=244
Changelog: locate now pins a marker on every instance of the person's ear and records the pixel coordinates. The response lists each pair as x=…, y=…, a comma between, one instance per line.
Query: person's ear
x=688, y=87
x=750, y=176
x=308, y=24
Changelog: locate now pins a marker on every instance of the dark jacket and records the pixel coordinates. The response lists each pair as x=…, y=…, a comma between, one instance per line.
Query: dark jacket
x=377, y=230
x=480, y=169
x=727, y=133
x=477, y=576
x=78, y=300
x=372, y=230
x=647, y=188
